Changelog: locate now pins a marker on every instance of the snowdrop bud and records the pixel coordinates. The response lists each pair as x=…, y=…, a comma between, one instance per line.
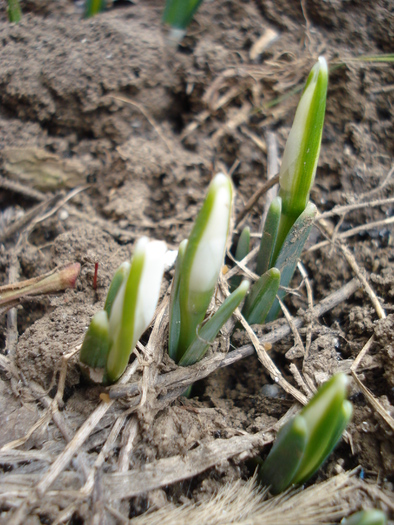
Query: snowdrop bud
x=135, y=304
x=204, y=257
x=302, y=150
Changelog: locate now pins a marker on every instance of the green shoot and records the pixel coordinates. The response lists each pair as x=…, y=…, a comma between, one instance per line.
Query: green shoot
x=14, y=11
x=129, y=308
x=268, y=240
x=203, y=259
x=302, y=151
x=260, y=300
x=366, y=517
x=290, y=253
x=93, y=7
x=196, y=272
x=241, y=252
x=207, y=333
x=305, y=442
x=178, y=14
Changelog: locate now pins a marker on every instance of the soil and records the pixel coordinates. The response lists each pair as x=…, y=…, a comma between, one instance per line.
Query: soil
x=107, y=105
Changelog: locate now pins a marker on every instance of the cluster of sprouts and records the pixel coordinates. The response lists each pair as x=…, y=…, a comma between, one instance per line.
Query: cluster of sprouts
x=304, y=443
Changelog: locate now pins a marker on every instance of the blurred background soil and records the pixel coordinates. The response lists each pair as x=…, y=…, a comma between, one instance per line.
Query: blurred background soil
x=105, y=103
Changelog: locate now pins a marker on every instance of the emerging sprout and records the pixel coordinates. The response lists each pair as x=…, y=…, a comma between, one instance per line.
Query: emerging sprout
x=14, y=11
x=178, y=14
x=199, y=262
x=302, y=150
x=366, y=517
x=93, y=7
x=129, y=308
x=304, y=443
x=290, y=216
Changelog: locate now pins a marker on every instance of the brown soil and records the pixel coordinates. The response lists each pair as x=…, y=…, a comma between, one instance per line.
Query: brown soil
x=105, y=102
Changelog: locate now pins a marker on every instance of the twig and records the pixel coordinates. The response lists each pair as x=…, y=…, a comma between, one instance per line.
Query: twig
x=80, y=437
x=148, y=117
x=367, y=287
x=254, y=199
x=352, y=232
x=128, y=438
x=177, y=468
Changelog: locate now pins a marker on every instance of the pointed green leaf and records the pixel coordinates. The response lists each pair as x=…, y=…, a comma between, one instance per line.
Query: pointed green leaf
x=95, y=346
x=291, y=251
x=268, y=240
x=120, y=275
x=209, y=331
x=175, y=310
x=240, y=253
x=283, y=461
x=261, y=297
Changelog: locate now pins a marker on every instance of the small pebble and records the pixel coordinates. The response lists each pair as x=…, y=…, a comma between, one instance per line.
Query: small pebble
x=63, y=215
x=270, y=390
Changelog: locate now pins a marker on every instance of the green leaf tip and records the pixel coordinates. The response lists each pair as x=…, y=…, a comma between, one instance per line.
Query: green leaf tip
x=202, y=261
x=302, y=149
x=304, y=443
x=366, y=517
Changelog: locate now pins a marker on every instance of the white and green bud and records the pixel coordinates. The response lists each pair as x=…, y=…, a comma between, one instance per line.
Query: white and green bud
x=197, y=273
x=134, y=304
x=301, y=154
x=366, y=517
x=304, y=443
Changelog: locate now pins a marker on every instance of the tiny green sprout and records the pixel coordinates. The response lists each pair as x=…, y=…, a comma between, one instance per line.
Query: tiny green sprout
x=178, y=14
x=305, y=442
x=93, y=7
x=242, y=251
x=301, y=155
x=129, y=308
x=14, y=11
x=261, y=297
x=366, y=517
x=198, y=266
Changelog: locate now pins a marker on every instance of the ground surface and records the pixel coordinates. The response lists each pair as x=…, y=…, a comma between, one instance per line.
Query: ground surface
x=105, y=105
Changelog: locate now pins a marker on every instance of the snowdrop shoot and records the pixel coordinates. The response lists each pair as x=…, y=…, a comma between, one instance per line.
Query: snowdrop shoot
x=198, y=266
x=135, y=304
x=305, y=442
